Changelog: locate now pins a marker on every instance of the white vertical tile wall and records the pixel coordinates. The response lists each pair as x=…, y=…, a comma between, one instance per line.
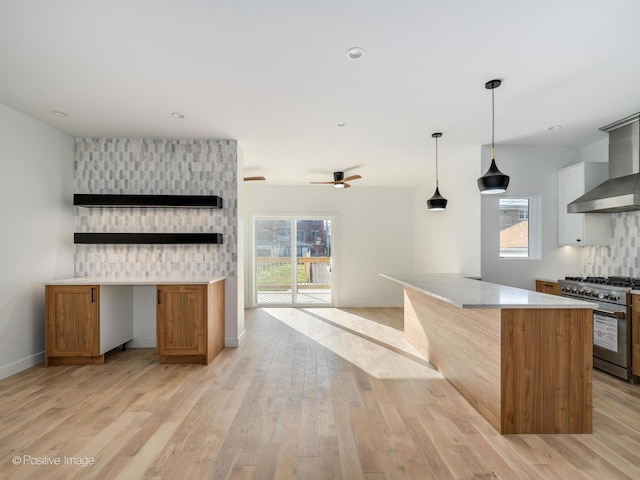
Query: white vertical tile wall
x=161, y=167
x=622, y=258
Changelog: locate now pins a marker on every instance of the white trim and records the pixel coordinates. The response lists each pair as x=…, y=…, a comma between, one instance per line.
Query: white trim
x=235, y=342
x=535, y=226
x=20, y=365
x=333, y=217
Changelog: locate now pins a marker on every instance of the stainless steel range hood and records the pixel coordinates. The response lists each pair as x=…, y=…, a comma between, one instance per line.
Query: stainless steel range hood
x=621, y=193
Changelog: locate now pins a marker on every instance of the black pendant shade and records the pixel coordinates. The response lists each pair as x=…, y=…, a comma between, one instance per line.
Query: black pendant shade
x=437, y=202
x=494, y=181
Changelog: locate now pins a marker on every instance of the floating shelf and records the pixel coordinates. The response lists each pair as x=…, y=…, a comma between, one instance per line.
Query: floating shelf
x=148, y=238
x=114, y=201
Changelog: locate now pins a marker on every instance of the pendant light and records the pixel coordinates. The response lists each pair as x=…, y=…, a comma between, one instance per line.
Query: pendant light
x=437, y=202
x=494, y=181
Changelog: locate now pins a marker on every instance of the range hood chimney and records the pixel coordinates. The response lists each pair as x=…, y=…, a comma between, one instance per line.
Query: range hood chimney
x=621, y=193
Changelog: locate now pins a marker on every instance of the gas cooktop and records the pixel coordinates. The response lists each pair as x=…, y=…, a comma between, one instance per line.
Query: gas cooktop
x=625, y=282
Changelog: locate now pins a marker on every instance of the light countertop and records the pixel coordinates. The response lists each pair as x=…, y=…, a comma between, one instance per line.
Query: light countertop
x=135, y=281
x=463, y=292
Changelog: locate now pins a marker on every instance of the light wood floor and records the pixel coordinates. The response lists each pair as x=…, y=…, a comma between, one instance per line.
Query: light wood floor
x=306, y=396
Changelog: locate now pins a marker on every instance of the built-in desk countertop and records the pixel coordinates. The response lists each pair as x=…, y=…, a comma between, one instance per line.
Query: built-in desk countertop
x=135, y=281
x=523, y=359
x=464, y=292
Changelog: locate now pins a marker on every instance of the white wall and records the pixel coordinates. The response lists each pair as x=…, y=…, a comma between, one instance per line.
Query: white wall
x=449, y=241
x=595, y=152
x=532, y=171
x=36, y=245
x=374, y=234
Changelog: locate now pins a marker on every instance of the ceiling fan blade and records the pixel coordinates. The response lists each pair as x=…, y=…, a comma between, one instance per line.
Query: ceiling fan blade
x=346, y=185
x=249, y=179
x=352, y=177
x=322, y=183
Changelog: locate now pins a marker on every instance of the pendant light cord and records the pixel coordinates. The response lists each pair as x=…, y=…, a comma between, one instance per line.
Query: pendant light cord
x=436, y=162
x=493, y=124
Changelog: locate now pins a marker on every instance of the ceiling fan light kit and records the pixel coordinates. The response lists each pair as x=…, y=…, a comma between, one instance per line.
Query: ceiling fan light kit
x=493, y=181
x=437, y=202
x=339, y=181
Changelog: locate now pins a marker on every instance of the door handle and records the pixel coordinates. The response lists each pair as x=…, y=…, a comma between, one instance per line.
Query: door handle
x=92, y=295
x=159, y=297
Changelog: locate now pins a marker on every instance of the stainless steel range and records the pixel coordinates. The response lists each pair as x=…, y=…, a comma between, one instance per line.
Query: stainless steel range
x=611, y=319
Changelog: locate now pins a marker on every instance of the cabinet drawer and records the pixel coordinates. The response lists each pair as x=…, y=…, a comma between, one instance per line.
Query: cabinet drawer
x=552, y=288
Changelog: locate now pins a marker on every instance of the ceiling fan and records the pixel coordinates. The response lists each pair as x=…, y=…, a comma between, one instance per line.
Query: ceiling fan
x=251, y=179
x=339, y=181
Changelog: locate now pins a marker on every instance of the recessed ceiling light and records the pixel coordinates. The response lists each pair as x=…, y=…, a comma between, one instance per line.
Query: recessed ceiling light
x=355, y=53
x=177, y=115
x=58, y=113
x=555, y=127
x=341, y=124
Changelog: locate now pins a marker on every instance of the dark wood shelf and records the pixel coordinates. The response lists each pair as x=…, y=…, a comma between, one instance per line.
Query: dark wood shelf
x=147, y=238
x=157, y=201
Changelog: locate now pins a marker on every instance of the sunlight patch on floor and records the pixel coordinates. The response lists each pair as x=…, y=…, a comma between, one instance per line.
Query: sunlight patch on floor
x=376, y=360
x=371, y=329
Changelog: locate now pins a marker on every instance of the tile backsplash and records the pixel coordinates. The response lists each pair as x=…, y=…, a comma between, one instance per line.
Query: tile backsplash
x=161, y=167
x=622, y=258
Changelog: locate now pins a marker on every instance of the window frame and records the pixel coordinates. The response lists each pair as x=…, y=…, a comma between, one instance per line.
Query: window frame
x=534, y=223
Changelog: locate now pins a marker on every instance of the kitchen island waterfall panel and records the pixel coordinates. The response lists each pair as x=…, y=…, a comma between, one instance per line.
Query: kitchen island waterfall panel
x=526, y=368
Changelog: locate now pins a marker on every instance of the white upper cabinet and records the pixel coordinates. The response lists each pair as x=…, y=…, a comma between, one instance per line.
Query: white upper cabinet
x=581, y=228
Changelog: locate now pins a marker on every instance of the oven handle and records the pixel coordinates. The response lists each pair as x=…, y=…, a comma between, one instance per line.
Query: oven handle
x=605, y=313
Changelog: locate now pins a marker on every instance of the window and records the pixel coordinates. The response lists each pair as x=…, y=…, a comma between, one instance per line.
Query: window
x=520, y=235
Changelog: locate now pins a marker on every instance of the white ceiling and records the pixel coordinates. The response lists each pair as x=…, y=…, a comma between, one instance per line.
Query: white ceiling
x=274, y=75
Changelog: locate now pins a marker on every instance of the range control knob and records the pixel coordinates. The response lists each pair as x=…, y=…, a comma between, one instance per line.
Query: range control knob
x=600, y=295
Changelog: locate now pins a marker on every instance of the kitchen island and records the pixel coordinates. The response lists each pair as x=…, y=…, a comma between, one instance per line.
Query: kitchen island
x=86, y=317
x=522, y=359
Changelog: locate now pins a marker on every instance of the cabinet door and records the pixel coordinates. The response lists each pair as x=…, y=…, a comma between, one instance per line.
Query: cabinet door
x=570, y=187
x=181, y=318
x=635, y=339
x=72, y=323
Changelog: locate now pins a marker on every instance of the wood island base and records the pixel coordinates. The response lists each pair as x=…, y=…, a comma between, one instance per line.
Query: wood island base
x=525, y=370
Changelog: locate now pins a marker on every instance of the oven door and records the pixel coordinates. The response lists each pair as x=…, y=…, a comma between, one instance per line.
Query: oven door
x=611, y=339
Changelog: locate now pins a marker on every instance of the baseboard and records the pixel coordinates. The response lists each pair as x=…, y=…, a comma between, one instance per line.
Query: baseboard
x=372, y=305
x=235, y=342
x=20, y=365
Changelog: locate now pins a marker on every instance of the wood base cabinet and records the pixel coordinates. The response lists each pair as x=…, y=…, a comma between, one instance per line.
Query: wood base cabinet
x=552, y=288
x=85, y=321
x=72, y=325
x=635, y=335
x=190, y=322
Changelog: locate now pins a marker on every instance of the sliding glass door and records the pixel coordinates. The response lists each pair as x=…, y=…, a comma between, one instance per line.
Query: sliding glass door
x=293, y=262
